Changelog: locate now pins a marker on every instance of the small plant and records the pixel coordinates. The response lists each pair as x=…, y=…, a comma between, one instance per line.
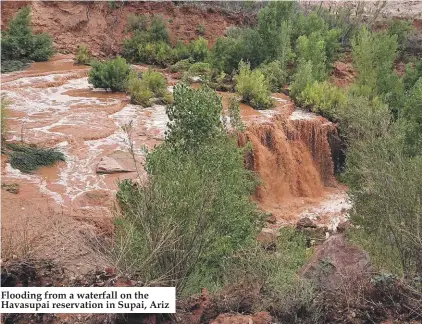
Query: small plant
x=151, y=85
x=253, y=87
x=201, y=30
x=3, y=105
x=181, y=66
x=83, y=55
x=137, y=22
x=110, y=75
x=28, y=158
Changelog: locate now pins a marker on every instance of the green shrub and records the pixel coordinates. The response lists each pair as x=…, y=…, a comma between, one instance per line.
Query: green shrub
x=199, y=49
x=176, y=225
x=385, y=187
x=83, y=55
x=240, y=44
x=158, y=29
x=29, y=158
x=151, y=85
x=401, y=29
x=373, y=56
x=201, y=30
x=274, y=74
x=180, y=66
x=110, y=75
x=18, y=42
x=253, y=87
x=312, y=50
x=186, y=128
x=413, y=73
x=323, y=98
x=301, y=79
x=411, y=113
x=273, y=274
x=181, y=51
x=137, y=22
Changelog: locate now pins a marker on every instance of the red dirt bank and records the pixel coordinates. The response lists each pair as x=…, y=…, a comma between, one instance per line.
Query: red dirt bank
x=103, y=28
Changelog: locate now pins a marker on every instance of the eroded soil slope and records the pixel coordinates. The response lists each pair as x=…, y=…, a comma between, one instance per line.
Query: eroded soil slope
x=102, y=27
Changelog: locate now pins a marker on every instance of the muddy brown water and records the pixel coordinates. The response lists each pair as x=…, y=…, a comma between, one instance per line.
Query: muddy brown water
x=52, y=104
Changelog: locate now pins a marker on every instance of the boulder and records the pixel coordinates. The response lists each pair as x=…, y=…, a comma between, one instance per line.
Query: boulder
x=118, y=161
x=305, y=222
x=337, y=264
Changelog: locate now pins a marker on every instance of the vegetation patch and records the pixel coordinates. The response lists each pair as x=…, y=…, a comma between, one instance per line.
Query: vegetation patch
x=253, y=87
x=19, y=45
x=27, y=158
x=111, y=75
x=151, y=85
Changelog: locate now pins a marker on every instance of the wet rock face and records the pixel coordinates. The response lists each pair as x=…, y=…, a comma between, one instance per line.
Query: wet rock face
x=337, y=263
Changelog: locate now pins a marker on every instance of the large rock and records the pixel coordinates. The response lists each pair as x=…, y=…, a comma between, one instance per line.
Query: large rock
x=337, y=264
x=118, y=161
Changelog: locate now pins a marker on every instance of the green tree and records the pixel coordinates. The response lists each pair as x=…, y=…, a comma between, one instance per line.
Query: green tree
x=18, y=42
x=194, y=116
x=194, y=211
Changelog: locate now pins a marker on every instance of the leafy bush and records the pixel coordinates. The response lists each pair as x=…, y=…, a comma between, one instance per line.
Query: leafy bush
x=110, y=75
x=151, y=85
x=323, y=98
x=181, y=51
x=83, y=55
x=301, y=79
x=186, y=129
x=274, y=74
x=312, y=50
x=18, y=42
x=158, y=29
x=373, y=56
x=413, y=73
x=137, y=22
x=253, y=87
x=411, y=112
x=199, y=49
x=401, y=29
x=176, y=225
x=29, y=158
x=273, y=275
x=180, y=66
x=240, y=44
x=385, y=187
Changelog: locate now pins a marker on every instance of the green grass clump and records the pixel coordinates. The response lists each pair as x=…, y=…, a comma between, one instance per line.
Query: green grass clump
x=28, y=158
